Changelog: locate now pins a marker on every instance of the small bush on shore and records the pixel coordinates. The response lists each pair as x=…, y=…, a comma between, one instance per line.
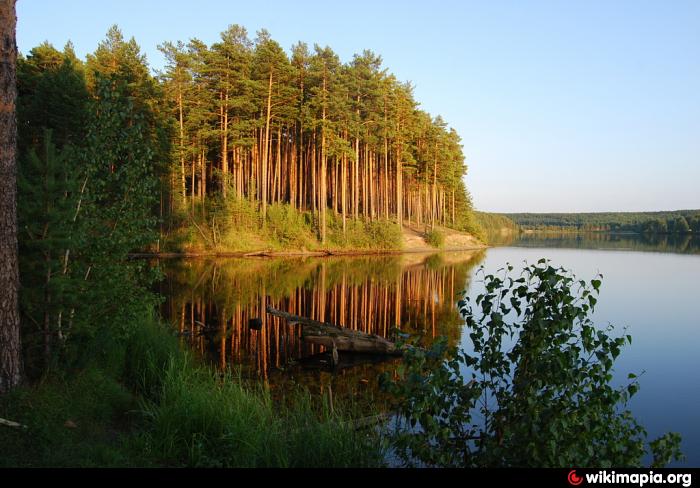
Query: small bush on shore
x=435, y=238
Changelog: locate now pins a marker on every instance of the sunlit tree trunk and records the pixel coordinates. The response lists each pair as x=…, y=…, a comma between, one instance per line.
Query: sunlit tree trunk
x=263, y=177
x=356, y=179
x=386, y=178
x=224, y=147
x=324, y=199
x=399, y=190
x=343, y=185
x=182, y=146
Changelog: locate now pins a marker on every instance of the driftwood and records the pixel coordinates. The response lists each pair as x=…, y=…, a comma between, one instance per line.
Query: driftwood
x=338, y=338
x=10, y=423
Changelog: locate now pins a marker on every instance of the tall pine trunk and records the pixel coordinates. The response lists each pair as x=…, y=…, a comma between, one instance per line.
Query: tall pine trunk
x=182, y=148
x=324, y=199
x=343, y=186
x=265, y=150
x=224, y=147
x=10, y=346
x=399, y=189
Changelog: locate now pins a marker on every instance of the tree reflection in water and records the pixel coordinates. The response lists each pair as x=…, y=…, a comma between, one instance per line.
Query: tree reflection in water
x=211, y=301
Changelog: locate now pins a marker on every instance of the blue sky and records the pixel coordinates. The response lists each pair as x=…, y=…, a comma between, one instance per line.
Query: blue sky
x=566, y=106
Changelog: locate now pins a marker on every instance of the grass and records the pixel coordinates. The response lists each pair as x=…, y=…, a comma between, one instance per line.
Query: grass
x=203, y=420
x=165, y=409
x=99, y=408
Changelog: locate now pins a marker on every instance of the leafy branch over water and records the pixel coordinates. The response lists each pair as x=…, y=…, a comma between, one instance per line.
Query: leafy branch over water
x=534, y=390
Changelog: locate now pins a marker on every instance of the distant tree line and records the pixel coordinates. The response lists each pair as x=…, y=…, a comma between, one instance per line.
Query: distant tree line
x=494, y=223
x=673, y=222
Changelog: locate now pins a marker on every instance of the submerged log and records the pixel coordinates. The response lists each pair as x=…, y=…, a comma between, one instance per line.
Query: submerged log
x=343, y=339
x=371, y=421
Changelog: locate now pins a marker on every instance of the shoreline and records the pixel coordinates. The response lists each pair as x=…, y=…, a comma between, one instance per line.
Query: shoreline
x=282, y=254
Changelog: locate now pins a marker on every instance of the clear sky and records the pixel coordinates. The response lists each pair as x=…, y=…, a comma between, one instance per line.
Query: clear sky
x=567, y=106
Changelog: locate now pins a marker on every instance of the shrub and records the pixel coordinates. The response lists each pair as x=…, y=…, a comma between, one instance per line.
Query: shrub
x=533, y=391
x=287, y=225
x=242, y=214
x=371, y=234
x=435, y=238
x=384, y=234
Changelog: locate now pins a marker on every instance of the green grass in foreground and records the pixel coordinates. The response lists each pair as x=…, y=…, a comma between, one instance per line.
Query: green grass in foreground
x=163, y=409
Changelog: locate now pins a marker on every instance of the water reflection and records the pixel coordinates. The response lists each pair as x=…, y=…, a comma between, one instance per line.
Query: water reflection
x=211, y=302
x=682, y=244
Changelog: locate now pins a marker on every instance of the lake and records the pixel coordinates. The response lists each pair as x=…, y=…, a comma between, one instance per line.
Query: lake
x=650, y=286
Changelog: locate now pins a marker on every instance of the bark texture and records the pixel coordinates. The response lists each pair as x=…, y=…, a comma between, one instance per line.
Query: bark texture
x=10, y=350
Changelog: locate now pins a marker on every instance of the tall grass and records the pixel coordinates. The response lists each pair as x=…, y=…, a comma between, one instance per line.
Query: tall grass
x=166, y=409
x=201, y=419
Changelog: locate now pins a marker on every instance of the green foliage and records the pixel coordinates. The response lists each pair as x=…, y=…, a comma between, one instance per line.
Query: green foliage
x=435, y=238
x=287, y=226
x=364, y=234
x=116, y=217
x=383, y=234
x=242, y=214
x=87, y=198
x=153, y=405
x=52, y=95
x=534, y=390
x=48, y=196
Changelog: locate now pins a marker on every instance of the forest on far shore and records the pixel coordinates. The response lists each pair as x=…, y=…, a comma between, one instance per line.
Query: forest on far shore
x=663, y=222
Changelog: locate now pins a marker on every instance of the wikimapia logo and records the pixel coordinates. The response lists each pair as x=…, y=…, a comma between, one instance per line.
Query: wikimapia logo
x=639, y=479
x=573, y=478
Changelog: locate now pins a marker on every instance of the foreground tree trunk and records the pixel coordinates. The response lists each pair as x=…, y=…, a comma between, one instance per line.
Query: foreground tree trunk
x=10, y=351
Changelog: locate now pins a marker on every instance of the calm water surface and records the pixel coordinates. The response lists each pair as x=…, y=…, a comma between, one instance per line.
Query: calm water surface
x=649, y=287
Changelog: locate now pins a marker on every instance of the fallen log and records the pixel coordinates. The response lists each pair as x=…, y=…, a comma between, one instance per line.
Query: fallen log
x=340, y=338
x=10, y=423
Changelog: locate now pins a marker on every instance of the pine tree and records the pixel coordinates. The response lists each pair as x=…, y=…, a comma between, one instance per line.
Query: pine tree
x=49, y=188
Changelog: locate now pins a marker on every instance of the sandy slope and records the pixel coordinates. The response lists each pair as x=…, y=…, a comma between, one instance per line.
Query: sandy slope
x=454, y=241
